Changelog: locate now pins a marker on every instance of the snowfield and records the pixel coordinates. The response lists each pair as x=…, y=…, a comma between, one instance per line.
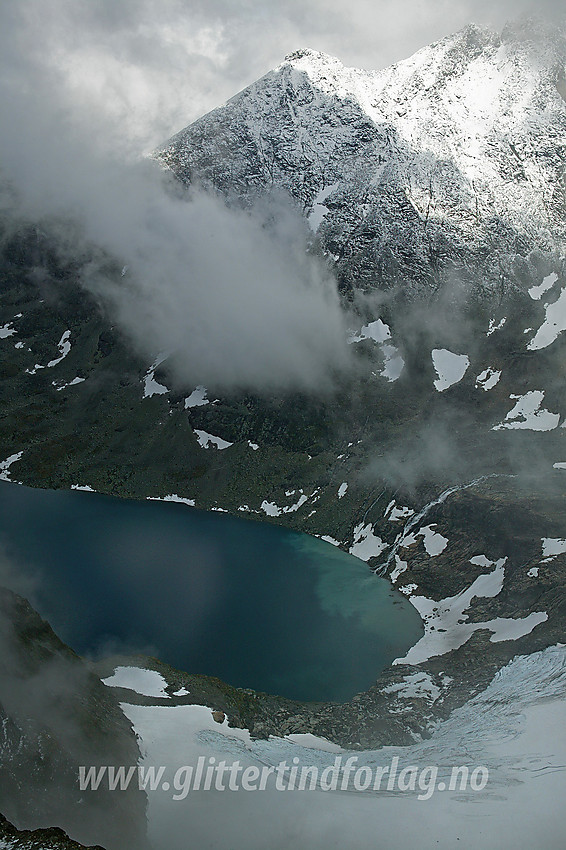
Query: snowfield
x=446, y=621
x=366, y=545
x=513, y=729
x=528, y=414
x=5, y=474
x=450, y=368
x=149, y=683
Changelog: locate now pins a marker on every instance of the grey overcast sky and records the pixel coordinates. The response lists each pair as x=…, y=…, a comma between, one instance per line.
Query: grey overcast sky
x=150, y=67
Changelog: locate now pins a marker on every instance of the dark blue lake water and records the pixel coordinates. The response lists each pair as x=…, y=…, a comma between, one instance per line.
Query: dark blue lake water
x=259, y=606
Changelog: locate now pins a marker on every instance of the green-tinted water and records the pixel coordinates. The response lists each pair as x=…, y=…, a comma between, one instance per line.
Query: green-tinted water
x=258, y=606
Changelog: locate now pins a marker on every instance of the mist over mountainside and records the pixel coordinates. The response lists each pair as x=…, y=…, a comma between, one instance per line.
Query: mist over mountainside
x=56, y=715
x=50, y=838
x=345, y=316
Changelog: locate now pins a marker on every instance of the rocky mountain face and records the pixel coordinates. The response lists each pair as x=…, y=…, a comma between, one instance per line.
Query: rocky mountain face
x=51, y=838
x=449, y=164
x=56, y=715
x=435, y=186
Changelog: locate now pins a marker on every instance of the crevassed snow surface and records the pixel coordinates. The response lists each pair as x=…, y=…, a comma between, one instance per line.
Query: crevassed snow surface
x=148, y=683
x=527, y=414
x=450, y=367
x=514, y=728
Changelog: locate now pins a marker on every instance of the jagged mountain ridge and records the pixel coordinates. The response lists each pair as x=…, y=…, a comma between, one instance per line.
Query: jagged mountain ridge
x=451, y=159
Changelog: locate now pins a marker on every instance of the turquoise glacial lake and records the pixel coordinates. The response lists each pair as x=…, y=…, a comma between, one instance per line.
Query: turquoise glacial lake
x=259, y=606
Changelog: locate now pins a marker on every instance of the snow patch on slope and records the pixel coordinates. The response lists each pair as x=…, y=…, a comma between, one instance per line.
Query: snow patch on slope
x=527, y=414
x=366, y=545
x=434, y=542
x=380, y=333
x=7, y=330
x=319, y=208
x=197, y=398
x=207, y=440
x=148, y=683
x=152, y=387
x=488, y=379
x=64, y=347
x=536, y=292
x=446, y=621
x=415, y=685
x=5, y=465
x=172, y=497
x=551, y=547
x=272, y=509
x=553, y=325
x=450, y=367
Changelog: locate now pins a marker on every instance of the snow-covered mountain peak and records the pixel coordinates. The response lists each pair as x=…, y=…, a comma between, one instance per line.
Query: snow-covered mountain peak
x=308, y=59
x=327, y=74
x=455, y=156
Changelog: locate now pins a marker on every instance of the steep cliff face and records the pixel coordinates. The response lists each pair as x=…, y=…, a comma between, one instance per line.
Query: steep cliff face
x=451, y=162
x=56, y=716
